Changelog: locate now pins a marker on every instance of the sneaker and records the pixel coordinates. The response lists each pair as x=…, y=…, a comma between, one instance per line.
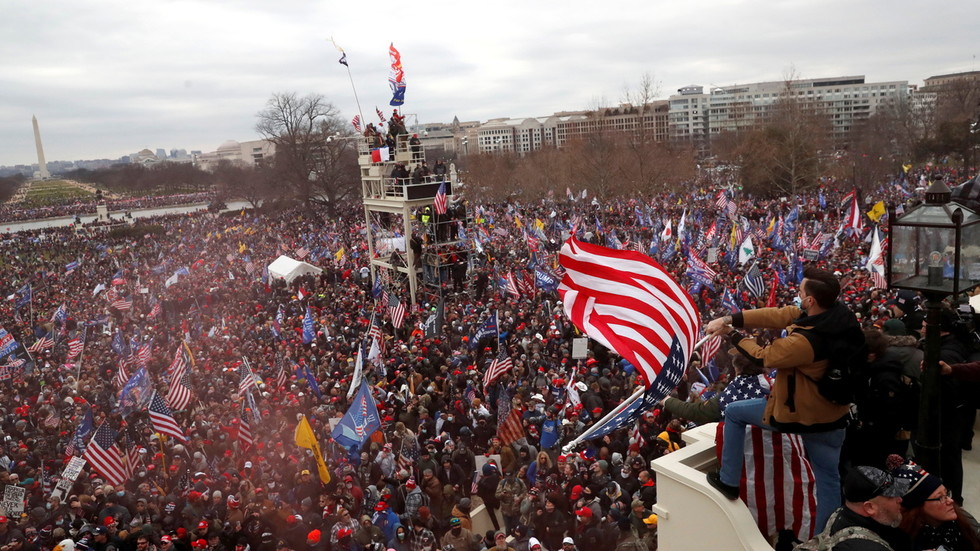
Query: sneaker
x=731, y=492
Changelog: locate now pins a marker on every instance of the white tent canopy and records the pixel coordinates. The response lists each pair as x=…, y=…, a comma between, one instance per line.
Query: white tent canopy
x=289, y=269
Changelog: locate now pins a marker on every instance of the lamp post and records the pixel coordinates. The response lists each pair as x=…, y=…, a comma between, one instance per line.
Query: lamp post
x=933, y=249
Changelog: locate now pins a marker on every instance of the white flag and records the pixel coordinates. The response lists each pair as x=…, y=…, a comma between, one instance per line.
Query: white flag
x=358, y=370
x=746, y=251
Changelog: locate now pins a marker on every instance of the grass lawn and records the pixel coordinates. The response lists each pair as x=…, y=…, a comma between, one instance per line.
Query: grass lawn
x=52, y=191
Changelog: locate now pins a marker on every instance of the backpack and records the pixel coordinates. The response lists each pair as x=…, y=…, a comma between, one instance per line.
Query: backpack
x=826, y=541
x=847, y=358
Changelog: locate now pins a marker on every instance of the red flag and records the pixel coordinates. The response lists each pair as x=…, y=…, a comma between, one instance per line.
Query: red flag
x=771, y=300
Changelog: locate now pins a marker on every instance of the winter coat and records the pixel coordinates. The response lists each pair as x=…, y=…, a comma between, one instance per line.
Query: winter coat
x=796, y=404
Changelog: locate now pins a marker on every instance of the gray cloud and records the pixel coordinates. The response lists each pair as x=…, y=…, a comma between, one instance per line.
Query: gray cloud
x=111, y=77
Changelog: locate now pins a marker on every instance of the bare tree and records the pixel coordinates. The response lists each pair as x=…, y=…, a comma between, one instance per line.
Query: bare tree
x=312, y=155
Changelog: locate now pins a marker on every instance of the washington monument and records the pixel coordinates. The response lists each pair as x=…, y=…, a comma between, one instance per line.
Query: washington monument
x=42, y=166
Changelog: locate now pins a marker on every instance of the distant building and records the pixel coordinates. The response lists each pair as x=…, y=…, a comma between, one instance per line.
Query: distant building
x=698, y=116
x=531, y=134
x=243, y=153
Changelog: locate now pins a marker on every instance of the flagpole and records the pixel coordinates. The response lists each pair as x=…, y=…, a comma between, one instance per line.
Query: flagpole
x=618, y=409
x=343, y=61
x=356, y=100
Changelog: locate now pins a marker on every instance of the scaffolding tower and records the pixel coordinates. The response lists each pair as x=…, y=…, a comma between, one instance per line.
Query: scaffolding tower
x=422, y=253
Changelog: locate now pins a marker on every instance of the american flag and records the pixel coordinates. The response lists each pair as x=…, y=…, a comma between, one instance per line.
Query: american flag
x=245, y=429
x=44, y=342
x=381, y=115
x=853, y=219
x=246, y=381
x=396, y=310
x=778, y=484
x=500, y=365
x=163, y=419
x=155, y=310
x=122, y=304
x=709, y=349
x=525, y=284
x=119, y=278
x=512, y=285
x=725, y=203
x=441, y=201
x=636, y=437
x=121, y=376
x=249, y=267
x=356, y=121
x=301, y=253
x=143, y=354
x=104, y=455
x=281, y=377
x=629, y=303
x=179, y=395
x=511, y=429
x=753, y=281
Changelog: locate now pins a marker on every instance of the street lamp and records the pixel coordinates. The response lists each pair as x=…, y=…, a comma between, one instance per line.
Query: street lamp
x=935, y=250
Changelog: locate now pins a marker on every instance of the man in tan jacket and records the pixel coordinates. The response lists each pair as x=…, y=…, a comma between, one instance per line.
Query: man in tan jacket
x=795, y=404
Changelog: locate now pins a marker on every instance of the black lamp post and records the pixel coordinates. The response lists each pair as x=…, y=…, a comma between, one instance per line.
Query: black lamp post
x=933, y=249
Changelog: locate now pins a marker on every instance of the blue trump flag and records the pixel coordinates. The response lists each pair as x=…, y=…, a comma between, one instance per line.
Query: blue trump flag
x=24, y=295
x=489, y=328
x=666, y=381
x=360, y=421
x=545, y=281
x=308, y=332
x=136, y=394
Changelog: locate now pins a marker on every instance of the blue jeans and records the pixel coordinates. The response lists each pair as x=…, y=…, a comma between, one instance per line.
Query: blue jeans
x=822, y=450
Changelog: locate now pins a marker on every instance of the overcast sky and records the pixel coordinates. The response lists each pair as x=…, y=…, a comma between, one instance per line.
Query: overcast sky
x=110, y=77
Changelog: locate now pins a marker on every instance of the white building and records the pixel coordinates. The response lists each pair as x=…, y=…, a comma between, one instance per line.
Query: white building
x=244, y=153
x=847, y=100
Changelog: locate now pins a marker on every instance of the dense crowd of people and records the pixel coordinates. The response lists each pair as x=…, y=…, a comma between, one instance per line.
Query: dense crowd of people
x=240, y=481
x=15, y=212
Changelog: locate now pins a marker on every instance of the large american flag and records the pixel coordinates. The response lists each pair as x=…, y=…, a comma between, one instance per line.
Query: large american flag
x=500, y=365
x=163, y=419
x=104, y=455
x=179, y=395
x=628, y=303
x=511, y=429
x=778, y=484
x=441, y=201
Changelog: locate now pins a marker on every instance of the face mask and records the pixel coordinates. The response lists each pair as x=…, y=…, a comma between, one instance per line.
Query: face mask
x=47, y=506
x=450, y=419
x=401, y=536
x=120, y=494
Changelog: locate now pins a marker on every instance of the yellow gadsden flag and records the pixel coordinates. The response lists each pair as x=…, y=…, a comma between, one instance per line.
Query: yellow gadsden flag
x=877, y=211
x=306, y=439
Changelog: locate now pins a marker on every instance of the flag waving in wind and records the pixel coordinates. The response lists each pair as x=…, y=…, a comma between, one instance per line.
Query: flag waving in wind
x=305, y=438
x=396, y=79
x=629, y=303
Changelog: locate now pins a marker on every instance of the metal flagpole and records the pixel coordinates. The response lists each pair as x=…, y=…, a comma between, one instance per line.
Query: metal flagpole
x=618, y=409
x=343, y=61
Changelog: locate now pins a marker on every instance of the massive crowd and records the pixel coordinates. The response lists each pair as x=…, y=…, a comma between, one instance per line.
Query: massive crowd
x=13, y=212
x=413, y=485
